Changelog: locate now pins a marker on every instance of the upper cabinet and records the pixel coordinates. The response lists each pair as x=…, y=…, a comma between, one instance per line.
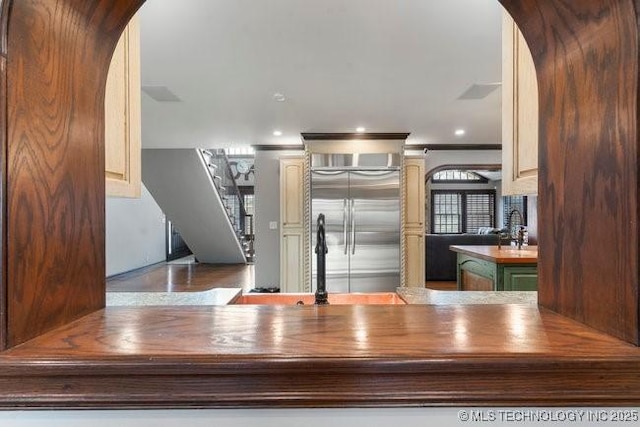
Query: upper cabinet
x=291, y=192
x=519, y=113
x=122, y=117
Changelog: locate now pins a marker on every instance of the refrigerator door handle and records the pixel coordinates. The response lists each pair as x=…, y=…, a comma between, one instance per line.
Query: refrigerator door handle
x=353, y=227
x=344, y=224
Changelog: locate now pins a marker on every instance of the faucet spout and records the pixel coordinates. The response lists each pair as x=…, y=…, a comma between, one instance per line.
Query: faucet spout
x=321, y=254
x=519, y=235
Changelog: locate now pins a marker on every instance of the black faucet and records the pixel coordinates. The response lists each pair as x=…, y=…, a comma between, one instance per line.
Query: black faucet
x=321, y=255
x=519, y=234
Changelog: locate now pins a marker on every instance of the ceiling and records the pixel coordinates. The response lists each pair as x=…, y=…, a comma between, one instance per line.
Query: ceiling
x=389, y=66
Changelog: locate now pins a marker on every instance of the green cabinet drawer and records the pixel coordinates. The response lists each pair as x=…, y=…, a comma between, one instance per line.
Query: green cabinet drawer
x=520, y=278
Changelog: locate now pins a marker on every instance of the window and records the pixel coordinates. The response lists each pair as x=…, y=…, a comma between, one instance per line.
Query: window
x=462, y=211
x=509, y=203
x=457, y=177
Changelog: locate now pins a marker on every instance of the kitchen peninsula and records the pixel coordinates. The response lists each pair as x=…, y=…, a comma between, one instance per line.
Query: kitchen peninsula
x=320, y=356
x=63, y=348
x=489, y=268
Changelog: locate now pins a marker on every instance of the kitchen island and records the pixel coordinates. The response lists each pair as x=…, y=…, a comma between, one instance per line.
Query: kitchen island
x=489, y=268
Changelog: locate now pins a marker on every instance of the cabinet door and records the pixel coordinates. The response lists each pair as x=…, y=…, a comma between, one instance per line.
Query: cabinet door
x=476, y=274
x=292, y=192
x=470, y=281
x=291, y=263
x=520, y=278
x=122, y=117
x=519, y=113
x=414, y=260
x=413, y=199
x=292, y=230
x=414, y=193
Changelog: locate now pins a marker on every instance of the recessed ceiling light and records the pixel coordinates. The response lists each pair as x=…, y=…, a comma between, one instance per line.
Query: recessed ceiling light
x=360, y=129
x=279, y=97
x=460, y=132
x=277, y=133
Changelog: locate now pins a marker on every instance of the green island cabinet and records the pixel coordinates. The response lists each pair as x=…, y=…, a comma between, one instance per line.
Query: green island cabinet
x=487, y=268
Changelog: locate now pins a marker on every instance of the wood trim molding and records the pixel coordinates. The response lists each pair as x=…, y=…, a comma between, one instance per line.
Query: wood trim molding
x=410, y=147
x=267, y=147
x=485, y=167
x=348, y=136
x=453, y=147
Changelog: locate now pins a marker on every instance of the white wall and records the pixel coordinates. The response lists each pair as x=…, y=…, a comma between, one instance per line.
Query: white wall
x=135, y=233
x=267, y=204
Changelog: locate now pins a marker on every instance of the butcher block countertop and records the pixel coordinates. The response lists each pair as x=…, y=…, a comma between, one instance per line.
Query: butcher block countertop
x=321, y=356
x=505, y=255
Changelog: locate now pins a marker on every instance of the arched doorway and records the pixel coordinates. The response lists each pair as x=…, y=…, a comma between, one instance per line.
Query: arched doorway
x=54, y=61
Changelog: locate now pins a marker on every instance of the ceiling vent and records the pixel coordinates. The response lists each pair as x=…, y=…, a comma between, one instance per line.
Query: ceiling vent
x=481, y=91
x=161, y=93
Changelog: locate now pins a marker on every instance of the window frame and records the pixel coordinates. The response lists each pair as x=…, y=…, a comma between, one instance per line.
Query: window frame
x=480, y=179
x=463, y=201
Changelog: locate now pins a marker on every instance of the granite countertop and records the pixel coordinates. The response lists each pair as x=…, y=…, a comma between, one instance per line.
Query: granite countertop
x=433, y=297
x=225, y=296
x=504, y=255
x=216, y=296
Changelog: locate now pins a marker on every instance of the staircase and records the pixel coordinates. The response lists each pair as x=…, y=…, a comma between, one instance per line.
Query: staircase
x=220, y=171
x=193, y=190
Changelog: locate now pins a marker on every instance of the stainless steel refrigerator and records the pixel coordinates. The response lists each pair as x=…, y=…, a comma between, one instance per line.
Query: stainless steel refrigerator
x=362, y=213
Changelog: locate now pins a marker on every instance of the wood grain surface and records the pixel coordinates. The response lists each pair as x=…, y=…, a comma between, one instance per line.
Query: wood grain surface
x=59, y=52
x=4, y=17
x=586, y=55
x=505, y=255
x=321, y=356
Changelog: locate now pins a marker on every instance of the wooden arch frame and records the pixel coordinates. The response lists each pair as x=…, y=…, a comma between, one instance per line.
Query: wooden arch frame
x=440, y=168
x=53, y=63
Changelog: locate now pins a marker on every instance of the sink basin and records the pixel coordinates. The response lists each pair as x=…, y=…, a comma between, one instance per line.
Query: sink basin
x=309, y=299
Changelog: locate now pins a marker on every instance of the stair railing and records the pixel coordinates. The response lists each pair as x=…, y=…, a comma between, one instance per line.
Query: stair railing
x=221, y=173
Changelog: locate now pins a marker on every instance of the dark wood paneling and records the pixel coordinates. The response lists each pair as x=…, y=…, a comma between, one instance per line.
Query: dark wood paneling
x=4, y=19
x=288, y=356
x=586, y=55
x=59, y=52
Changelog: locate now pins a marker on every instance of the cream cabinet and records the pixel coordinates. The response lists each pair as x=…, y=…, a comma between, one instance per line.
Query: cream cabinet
x=519, y=113
x=292, y=229
x=413, y=199
x=122, y=117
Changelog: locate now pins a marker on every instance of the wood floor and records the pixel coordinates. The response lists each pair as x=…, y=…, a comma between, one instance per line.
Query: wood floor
x=442, y=286
x=186, y=275
x=183, y=275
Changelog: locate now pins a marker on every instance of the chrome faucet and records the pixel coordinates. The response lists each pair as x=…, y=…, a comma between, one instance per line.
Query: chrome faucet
x=321, y=252
x=519, y=238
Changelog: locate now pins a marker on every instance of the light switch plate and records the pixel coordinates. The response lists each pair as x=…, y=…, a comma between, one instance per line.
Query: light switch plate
x=273, y=225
